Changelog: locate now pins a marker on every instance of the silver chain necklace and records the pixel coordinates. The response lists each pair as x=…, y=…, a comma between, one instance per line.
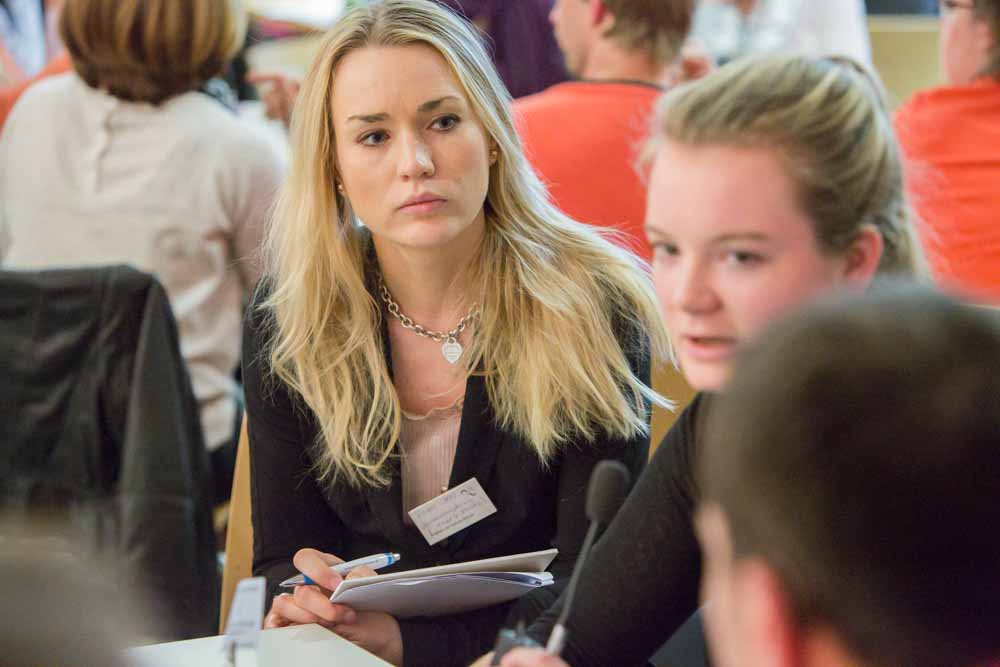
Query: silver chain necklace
x=450, y=347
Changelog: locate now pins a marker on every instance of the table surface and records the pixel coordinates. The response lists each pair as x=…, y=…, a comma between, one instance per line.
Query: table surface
x=296, y=646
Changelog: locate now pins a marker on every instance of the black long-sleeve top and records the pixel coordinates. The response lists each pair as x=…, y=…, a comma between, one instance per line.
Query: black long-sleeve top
x=538, y=506
x=641, y=580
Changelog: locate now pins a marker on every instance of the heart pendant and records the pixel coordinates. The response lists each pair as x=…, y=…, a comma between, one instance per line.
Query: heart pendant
x=451, y=350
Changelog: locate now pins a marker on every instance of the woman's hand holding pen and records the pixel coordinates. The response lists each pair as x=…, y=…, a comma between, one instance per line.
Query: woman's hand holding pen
x=376, y=632
x=311, y=604
x=531, y=657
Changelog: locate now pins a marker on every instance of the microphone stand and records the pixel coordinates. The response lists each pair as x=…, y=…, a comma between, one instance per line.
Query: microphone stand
x=557, y=639
x=605, y=493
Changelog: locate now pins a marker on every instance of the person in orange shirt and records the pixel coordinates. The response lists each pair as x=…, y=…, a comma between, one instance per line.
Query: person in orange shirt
x=950, y=136
x=582, y=136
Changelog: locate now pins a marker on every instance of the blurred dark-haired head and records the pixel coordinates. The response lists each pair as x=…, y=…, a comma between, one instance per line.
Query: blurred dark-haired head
x=851, y=474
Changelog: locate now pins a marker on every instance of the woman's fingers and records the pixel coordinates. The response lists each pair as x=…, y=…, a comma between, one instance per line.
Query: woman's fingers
x=312, y=601
x=311, y=604
x=315, y=555
x=286, y=611
x=345, y=614
x=363, y=571
x=522, y=657
x=274, y=619
x=316, y=565
x=307, y=605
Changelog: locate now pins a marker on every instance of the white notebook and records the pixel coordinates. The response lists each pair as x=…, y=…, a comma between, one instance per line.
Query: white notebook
x=448, y=589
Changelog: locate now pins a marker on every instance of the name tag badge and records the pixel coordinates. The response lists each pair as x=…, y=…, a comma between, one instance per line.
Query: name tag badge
x=452, y=511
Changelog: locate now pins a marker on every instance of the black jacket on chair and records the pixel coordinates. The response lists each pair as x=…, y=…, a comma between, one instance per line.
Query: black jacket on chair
x=100, y=432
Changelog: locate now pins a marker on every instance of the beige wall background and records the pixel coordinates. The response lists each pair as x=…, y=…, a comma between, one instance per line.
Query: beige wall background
x=904, y=50
x=905, y=53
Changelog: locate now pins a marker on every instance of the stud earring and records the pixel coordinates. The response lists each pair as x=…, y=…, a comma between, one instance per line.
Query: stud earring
x=494, y=154
x=340, y=188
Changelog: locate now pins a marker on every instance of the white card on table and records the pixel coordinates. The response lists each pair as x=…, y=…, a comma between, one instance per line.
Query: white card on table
x=246, y=613
x=452, y=511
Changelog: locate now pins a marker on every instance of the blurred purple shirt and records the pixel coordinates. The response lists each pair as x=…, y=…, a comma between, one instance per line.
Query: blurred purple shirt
x=523, y=45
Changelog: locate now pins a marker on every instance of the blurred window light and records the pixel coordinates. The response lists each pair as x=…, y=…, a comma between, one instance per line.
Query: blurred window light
x=320, y=14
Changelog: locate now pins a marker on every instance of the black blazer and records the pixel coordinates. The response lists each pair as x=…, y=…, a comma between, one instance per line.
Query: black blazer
x=538, y=506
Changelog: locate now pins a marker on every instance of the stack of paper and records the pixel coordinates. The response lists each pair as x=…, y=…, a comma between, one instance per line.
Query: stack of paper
x=448, y=589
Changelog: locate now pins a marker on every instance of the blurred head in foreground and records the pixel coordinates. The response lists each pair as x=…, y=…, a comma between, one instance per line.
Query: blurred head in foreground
x=850, y=477
x=57, y=610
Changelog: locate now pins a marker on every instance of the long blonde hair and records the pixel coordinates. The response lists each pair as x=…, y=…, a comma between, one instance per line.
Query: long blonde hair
x=827, y=118
x=558, y=301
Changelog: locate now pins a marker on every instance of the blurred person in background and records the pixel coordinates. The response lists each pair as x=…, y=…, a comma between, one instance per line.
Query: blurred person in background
x=28, y=38
x=122, y=160
x=951, y=139
x=520, y=39
x=227, y=90
x=518, y=36
x=583, y=136
x=730, y=29
x=902, y=6
x=30, y=49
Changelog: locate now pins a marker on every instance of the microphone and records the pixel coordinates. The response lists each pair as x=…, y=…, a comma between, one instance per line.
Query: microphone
x=605, y=494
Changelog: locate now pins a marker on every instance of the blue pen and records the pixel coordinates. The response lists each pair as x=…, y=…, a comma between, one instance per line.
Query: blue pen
x=375, y=562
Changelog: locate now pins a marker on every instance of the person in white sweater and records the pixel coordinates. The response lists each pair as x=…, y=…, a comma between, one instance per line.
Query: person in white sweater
x=122, y=160
x=729, y=29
